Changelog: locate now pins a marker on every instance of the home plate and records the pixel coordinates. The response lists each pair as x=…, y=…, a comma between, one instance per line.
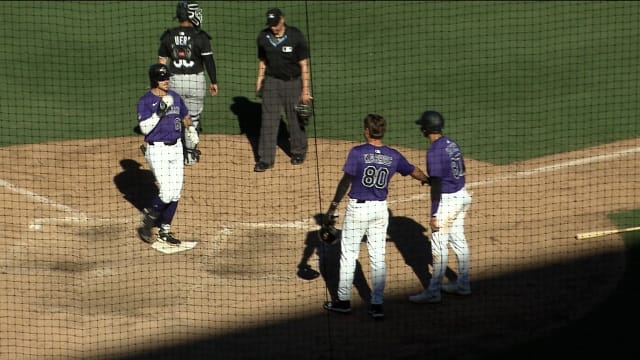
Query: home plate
x=171, y=249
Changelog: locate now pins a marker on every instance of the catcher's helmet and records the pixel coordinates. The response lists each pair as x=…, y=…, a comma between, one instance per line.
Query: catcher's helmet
x=431, y=122
x=189, y=11
x=158, y=72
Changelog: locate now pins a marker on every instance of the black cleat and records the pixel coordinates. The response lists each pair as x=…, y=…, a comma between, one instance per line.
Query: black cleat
x=376, y=312
x=340, y=306
x=261, y=166
x=167, y=237
x=297, y=159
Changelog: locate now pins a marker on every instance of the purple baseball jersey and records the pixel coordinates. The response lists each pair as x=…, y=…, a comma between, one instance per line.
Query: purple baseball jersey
x=169, y=127
x=371, y=168
x=445, y=160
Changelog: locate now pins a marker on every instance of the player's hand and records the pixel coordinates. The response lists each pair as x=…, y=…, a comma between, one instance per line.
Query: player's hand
x=435, y=226
x=165, y=105
x=306, y=98
x=213, y=89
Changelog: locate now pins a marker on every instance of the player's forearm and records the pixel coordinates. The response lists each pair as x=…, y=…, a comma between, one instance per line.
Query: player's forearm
x=262, y=67
x=418, y=174
x=341, y=191
x=306, y=77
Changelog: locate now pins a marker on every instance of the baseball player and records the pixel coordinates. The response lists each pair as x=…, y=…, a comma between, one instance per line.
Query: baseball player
x=161, y=115
x=186, y=50
x=449, y=204
x=367, y=172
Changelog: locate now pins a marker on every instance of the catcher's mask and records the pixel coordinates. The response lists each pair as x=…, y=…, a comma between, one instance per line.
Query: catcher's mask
x=431, y=122
x=189, y=11
x=158, y=72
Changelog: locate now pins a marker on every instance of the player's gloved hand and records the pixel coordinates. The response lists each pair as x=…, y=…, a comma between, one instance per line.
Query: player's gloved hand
x=165, y=104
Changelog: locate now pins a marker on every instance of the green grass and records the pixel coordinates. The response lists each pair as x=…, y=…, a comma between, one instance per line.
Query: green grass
x=515, y=80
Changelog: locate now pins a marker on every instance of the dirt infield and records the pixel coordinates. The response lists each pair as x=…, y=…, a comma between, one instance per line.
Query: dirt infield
x=75, y=281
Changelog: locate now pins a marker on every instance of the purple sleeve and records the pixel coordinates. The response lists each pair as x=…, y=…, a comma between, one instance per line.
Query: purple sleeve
x=404, y=166
x=145, y=109
x=351, y=165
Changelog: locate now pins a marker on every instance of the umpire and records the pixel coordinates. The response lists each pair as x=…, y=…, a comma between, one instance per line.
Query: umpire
x=283, y=82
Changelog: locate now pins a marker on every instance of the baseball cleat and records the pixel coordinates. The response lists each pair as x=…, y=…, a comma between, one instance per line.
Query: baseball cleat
x=426, y=297
x=376, y=312
x=456, y=290
x=145, y=234
x=167, y=237
x=149, y=218
x=343, y=307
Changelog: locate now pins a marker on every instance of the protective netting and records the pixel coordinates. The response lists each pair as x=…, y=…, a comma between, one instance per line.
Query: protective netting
x=541, y=96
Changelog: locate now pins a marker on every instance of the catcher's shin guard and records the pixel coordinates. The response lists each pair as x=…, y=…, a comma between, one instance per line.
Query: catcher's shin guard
x=191, y=156
x=195, y=121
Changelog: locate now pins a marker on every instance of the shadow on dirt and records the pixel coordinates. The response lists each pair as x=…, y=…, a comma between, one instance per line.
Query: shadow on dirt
x=249, y=115
x=560, y=307
x=137, y=185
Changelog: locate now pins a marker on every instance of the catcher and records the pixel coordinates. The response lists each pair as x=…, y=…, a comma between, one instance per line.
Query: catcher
x=186, y=50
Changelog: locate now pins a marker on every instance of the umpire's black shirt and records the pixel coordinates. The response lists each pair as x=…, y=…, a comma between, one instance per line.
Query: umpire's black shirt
x=282, y=55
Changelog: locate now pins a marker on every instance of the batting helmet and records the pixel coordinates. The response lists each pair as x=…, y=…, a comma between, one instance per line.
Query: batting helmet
x=158, y=72
x=189, y=11
x=431, y=122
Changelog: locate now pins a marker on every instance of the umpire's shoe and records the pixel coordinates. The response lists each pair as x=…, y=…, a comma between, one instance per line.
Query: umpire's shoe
x=297, y=159
x=340, y=306
x=262, y=166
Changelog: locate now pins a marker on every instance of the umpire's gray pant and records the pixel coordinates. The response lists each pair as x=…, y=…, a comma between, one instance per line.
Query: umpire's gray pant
x=278, y=97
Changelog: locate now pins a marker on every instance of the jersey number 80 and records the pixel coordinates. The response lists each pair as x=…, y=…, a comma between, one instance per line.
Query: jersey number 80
x=375, y=177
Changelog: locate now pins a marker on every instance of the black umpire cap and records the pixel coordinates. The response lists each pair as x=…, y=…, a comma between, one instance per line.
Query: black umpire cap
x=273, y=16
